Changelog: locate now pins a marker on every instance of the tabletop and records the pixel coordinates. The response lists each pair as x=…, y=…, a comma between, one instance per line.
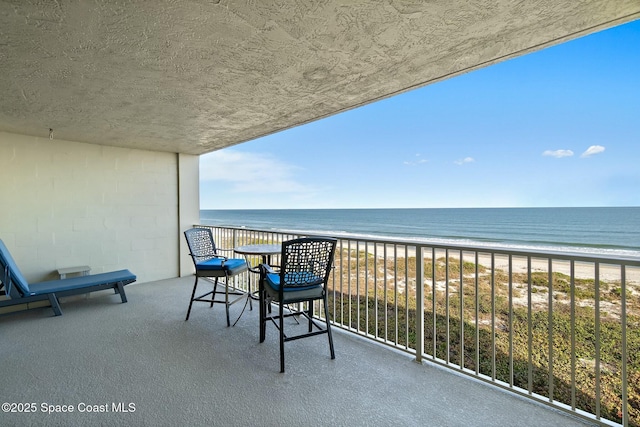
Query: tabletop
x=260, y=249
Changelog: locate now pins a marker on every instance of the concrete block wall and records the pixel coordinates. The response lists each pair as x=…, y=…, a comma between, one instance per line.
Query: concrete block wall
x=66, y=203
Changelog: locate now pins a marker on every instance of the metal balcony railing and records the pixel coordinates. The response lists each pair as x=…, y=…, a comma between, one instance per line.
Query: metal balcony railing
x=558, y=328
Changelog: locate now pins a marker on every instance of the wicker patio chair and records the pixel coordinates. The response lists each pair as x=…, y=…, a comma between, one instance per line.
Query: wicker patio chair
x=303, y=276
x=208, y=263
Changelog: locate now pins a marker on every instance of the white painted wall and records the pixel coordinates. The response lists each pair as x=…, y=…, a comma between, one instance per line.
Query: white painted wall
x=65, y=203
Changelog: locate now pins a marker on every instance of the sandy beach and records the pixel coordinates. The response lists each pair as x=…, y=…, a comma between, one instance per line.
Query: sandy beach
x=582, y=270
x=608, y=274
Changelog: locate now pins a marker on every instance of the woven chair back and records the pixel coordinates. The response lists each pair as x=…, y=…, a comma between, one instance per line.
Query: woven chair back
x=307, y=261
x=201, y=244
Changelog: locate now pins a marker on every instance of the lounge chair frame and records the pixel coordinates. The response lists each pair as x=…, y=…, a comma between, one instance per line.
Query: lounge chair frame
x=21, y=292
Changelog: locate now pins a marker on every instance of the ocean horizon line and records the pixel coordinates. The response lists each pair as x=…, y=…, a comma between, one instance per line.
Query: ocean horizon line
x=425, y=208
x=611, y=231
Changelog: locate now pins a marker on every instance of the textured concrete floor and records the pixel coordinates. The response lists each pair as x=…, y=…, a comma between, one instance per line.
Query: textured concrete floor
x=104, y=355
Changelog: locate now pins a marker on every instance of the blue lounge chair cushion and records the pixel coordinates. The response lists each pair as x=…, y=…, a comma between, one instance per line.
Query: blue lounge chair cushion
x=231, y=265
x=17, y=279
x=73, y=283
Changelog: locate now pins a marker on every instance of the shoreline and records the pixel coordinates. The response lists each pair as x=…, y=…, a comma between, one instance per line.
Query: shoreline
x=582, y=269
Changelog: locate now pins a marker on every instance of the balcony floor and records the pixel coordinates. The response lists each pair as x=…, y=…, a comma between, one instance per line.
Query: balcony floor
x=200, y=372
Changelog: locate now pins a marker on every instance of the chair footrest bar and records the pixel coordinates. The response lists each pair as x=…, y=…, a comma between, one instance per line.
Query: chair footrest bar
x=310, y=334
x=219, y=301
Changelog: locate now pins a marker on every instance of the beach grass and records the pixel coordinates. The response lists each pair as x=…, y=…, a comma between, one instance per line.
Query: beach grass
x=498, y=325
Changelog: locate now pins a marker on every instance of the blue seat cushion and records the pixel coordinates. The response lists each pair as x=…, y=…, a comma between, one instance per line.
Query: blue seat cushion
x=293, y=294
x=231, y=265
x=273, y=280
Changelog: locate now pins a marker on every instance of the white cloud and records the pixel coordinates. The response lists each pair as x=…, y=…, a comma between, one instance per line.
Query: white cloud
x=465, y=160
x=558, y=153
x=415, y=162
x=594, y=149
x=250, y=172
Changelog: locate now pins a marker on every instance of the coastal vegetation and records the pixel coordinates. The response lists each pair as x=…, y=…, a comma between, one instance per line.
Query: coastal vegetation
x=537, y=332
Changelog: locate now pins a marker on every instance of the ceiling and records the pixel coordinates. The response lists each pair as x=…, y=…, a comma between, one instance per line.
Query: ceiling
x=194, y=76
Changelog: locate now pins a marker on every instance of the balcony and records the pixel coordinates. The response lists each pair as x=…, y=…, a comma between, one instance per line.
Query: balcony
x=140, y=363
x=540, y=343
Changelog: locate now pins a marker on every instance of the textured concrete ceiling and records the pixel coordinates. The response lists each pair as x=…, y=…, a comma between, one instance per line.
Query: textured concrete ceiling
x=193, y=76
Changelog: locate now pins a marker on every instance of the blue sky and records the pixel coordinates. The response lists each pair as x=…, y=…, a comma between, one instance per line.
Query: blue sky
x=558, y=127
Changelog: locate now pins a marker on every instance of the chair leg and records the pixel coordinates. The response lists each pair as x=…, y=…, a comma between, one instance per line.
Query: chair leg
x=55, y=304
x=281, y=337
x=120, y=290
x=213, y=295
x=226, y=299
x=263, y=313
x=193, y=294
x=249, y=291
x=326, y=316
x=310, y=314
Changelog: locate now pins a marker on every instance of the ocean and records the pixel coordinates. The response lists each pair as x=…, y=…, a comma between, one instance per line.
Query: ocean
x=610, y=231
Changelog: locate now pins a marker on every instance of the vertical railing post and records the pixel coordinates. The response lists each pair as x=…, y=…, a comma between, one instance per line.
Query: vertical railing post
x=623, y=318
x=529, y=326
x=493, y=317
x=419, y=303
x=447, y=318
x=597, y=339
x=510, y=320
x=461, y=312
x=550, y=329
x=572, y=274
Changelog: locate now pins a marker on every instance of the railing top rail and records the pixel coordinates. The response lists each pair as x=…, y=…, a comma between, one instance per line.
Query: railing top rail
x=492, y=249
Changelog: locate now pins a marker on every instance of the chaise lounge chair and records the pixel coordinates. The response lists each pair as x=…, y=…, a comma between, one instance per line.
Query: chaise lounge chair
x=21, y=292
